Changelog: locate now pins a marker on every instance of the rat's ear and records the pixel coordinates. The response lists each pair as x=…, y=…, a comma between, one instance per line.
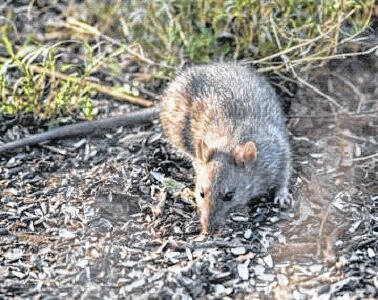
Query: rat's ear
x=203, y=152
x=245, y=153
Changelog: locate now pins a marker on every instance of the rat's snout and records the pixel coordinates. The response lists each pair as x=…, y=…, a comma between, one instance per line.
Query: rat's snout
x=218, y=211
x=211, y=212
x=204, y=211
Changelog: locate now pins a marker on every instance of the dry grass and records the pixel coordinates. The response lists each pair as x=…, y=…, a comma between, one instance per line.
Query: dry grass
x=287, y=37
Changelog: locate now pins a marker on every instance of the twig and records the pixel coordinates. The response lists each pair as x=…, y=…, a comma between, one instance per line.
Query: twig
x=315, y=89
x=365, y=157
x=85, y=28
x=335, y=56
x=297, y=62
x=347, y=82
x=107, y=90
x=351, y=136
x=350, y=114
x=358, y=32
x=300, y=45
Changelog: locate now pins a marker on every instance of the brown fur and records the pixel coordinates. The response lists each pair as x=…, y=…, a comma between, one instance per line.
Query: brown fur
x=173, y=108
x=205, y=173
x=210, y=125
x=245, y=153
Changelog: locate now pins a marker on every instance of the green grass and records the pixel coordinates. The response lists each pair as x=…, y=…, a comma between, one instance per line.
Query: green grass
x=23, y=89
x=181, y=30
x=281, y=36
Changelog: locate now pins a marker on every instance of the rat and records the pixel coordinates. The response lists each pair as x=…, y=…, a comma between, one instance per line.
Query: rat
x=228, y=120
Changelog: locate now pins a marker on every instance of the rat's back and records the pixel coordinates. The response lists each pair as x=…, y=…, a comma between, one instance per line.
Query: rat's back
x=228, y=97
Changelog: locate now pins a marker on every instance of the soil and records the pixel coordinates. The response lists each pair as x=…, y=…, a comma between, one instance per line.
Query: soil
x=92, y=217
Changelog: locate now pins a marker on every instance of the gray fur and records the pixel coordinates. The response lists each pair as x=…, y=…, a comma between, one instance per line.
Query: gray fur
x=253, y=112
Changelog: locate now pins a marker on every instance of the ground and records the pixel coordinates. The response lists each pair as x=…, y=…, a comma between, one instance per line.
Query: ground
x=88, y=217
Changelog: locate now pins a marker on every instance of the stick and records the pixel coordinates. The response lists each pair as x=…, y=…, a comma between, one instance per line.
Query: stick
x=85, y=128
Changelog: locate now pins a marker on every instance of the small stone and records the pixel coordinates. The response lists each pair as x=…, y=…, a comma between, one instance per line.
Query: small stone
x=172, y=256
x=274, y=219
x=238, y=251
x=177, y=230
x=94, y=253
x=14, y=254
x=354, y=226
x=375, y=280
x=252, y=282
x=282, y=280
x=135, y=285
x=240, y=219
x=82, y=263
x=259, y=269
x=248, y=256
x=64, y=233
x=189, y=253
x=371, y=252
x=243, y=271
x=219, y=289
x=268, y=261
x=266, y=277
x=248, y=234
x=315, y=268
x=18, y=274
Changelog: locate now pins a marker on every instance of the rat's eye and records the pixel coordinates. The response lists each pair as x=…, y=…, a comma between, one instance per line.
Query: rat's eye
x=228, y=196
x=202, y=194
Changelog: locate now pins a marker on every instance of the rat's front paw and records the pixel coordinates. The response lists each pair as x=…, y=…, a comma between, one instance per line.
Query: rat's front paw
x=284, y=198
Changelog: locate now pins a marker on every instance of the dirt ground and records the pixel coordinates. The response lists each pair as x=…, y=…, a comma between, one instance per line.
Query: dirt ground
x=88, y=217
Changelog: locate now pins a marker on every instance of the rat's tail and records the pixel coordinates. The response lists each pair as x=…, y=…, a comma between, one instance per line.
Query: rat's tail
x=85, y=128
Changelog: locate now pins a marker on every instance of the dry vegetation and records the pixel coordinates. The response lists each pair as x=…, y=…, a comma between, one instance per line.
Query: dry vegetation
x=59, y=70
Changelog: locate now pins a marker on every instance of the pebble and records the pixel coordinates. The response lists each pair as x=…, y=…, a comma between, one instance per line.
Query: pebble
x=13, y=254
x=64, y=233
x=259, y=269
x=375, y=280
x=243, y=271
x=18, y=274
x=282, y=280
x=189, y=253
x=268, y=261
x=82, y=263
x=371, y=252
x=266, y=277
x=134, y=285
x=248, y=234
x=219, y=289
x=240, y=219
x=354, y=226
x=315, y=268
x=274, y=219
x=172, y=256
x=238, y=251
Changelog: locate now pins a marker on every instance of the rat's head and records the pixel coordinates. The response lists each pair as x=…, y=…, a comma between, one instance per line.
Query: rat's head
x=222, y=178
